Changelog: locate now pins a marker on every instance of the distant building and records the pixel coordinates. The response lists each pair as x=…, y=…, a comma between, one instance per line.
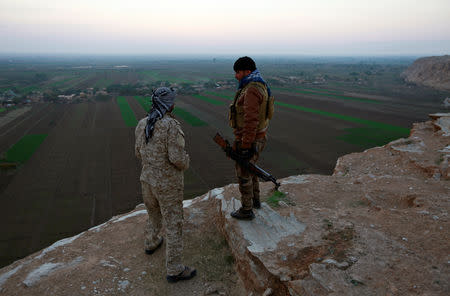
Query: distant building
x=9, y=94
x=225, y=84
x=143, y=89
x=198, y=87
x=66, y=97
x=9, y=103
x=35, y=96
x=90, y=91
x=101, y=93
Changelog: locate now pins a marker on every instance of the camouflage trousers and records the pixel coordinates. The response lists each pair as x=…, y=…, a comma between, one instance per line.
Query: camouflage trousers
x=165, y=208
x=248, y=182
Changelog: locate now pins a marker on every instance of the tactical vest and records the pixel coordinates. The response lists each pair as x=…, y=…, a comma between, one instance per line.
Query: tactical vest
x=236, y=115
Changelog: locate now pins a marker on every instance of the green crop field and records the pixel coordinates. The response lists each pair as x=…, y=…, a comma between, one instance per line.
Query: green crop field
x=180, y=112
x=104, y=82
x=228, y=95
x=374, y=133
x=209, y=100
x=157, y=76
x=61, y=82
x=127, y=114
x=146, y=103
x=353, y=98
x=188, y=117
x=320, y=90
x=325, y=94
x=73, y=82
x=152, y=75
x=29, y=89
x=24, y=149
x=368, y=137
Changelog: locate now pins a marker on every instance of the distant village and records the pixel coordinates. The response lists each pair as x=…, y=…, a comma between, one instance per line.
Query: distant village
x=10, y=98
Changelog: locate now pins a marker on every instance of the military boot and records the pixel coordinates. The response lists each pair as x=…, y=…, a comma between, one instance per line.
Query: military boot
x=186, y=274
x=151, y=251
x=243, y=214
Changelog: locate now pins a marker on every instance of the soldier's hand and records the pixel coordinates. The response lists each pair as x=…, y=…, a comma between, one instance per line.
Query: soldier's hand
x=246, y=154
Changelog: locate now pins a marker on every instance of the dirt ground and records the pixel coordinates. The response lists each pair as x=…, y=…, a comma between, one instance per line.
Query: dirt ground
x=110, y=260
x=14, y=130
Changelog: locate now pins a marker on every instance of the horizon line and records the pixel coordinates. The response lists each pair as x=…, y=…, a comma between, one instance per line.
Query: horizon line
x=217, y=55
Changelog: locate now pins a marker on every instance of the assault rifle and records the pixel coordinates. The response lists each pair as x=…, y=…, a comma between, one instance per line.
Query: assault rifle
x=253, y=168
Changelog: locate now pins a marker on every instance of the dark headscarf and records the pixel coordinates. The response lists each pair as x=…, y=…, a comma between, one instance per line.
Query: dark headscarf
x=162, y=100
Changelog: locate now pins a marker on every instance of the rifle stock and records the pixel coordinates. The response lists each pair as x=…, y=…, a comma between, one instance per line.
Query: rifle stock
x=253, y=168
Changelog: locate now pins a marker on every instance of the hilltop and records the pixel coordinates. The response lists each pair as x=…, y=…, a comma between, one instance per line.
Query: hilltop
x=376, y=226
x=430, y=71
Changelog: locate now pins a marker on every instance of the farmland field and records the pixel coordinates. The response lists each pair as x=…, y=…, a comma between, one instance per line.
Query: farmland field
x=127, y=113
x=83, y=171
x=331, y=94
x=145, y=102
x=22, y=150
x=188, y=117
x=209, y=100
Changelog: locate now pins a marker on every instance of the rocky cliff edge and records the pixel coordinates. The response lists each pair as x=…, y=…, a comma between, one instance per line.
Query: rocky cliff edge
x=430, y=71
x=377, y=226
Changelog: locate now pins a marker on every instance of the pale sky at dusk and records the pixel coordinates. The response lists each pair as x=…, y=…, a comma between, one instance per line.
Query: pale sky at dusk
x=320, y=27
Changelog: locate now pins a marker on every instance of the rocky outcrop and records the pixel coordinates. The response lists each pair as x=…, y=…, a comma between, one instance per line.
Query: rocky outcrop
x=430, y=71
x=377, y=226
x=109, y=259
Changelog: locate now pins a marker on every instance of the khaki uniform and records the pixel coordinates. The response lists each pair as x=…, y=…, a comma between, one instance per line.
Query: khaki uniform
x=249, y=119
x=249, y=183
x=163, y=161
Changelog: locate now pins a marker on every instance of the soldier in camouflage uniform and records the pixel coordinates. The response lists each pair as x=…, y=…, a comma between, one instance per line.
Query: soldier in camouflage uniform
x=249, y=116
x=160, y=146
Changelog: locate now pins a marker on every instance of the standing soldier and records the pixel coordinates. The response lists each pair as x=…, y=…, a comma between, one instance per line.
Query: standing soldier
x=249, y=117
x=160, y=146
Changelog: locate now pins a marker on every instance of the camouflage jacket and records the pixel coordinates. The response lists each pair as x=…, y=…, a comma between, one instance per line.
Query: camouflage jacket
x=164, y=157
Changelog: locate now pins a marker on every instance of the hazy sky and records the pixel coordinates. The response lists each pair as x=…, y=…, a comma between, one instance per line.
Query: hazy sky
x=317, y=27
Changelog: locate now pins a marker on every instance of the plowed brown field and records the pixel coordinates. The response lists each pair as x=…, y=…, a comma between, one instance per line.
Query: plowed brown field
x=85, y=171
